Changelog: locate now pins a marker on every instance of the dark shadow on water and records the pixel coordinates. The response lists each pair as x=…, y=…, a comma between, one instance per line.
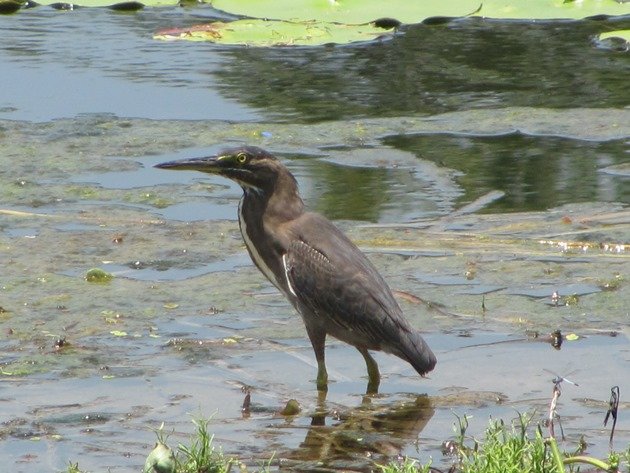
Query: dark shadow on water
x=429, y=69
x=535, y=172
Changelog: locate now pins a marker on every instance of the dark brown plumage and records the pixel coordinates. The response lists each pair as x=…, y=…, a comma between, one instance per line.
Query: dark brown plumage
x=329, y=281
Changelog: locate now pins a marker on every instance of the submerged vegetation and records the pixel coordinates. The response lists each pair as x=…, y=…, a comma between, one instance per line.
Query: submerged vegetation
x=200, y=456
x=516, y=447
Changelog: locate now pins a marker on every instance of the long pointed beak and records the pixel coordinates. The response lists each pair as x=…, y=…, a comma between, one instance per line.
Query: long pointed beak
x=207, y=164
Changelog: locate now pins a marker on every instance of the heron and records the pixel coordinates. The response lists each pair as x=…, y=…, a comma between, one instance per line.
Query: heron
x=323, y=274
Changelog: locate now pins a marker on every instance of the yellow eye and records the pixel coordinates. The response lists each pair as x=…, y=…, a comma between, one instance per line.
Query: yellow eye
x=241, y=158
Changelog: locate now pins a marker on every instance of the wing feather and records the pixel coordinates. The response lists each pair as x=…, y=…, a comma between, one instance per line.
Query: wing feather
x=337, y=283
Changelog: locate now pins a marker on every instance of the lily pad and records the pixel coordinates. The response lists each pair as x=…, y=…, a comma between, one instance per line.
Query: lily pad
x=407, y=11
x=275, y=33
x=347, y=11
x=614, y=40
x=317, y=22
x=621, y=34
x=98, y=275
x=551, y=9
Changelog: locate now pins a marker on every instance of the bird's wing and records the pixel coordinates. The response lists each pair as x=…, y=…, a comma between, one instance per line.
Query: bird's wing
x=331, y=277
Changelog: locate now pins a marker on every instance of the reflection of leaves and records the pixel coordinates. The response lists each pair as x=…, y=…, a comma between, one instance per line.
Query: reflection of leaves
x=427, y=70
x=534, y=172
x=351, y=192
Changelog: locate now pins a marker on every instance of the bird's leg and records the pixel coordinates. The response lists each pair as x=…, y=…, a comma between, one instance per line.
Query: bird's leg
x=374, y=376
x=321, y=400
x=318, y=339
x=322, y=376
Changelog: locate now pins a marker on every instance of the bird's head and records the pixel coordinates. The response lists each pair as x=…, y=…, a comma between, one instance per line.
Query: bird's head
x=249, y=166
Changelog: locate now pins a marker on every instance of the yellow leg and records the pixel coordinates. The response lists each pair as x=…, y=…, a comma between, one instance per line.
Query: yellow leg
x=322, y=376
x=318, y=340
x=374, y=376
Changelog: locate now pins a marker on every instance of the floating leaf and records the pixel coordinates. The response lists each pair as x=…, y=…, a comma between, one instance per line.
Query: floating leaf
x=292, y=408
x=409, y=11
x=317, y=22
x=118, y=333
x=623, y=35
x=170, y=305
x=572, y=300
x=98, y=275
x=551, y=9
x=275, y=33
x=348, y=11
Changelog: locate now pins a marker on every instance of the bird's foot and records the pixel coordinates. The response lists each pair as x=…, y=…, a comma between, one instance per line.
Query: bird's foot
x=322, y=379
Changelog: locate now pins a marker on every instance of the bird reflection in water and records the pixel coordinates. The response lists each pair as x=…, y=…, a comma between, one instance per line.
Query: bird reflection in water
x=357, y=438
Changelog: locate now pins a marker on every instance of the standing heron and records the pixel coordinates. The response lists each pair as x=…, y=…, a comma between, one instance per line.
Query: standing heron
x=328, y=280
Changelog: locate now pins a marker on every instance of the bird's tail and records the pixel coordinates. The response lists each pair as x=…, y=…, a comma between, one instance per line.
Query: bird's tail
x=416, y=351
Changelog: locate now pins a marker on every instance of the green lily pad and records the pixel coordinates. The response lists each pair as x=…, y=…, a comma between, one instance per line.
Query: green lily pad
x=275, y=33
x=551, y=9
x=316, y=22
x=621, y=34
x=348, y=11
x=98, y=275
x=410, y=11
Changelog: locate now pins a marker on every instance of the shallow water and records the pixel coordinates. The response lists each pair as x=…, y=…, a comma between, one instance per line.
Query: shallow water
x=187, y=321
x=478, y=196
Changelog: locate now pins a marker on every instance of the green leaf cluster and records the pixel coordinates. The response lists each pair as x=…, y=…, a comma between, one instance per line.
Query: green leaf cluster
x=317, y=22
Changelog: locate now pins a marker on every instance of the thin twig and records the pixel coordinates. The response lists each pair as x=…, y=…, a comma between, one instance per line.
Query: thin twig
x=613, y=406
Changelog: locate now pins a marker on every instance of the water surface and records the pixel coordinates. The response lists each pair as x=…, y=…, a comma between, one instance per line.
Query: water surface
x=482, y=165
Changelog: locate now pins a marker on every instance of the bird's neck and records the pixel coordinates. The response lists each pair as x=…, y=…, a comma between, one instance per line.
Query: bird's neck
x=277, y=204
x=263, y=214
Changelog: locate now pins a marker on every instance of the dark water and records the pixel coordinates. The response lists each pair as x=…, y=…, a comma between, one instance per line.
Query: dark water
x=58, y=64
x=100, y=61
x=404, y=130
x=535, y=172
x=432, y=69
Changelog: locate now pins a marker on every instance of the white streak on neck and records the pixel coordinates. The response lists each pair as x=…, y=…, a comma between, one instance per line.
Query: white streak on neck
x=258, y=260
